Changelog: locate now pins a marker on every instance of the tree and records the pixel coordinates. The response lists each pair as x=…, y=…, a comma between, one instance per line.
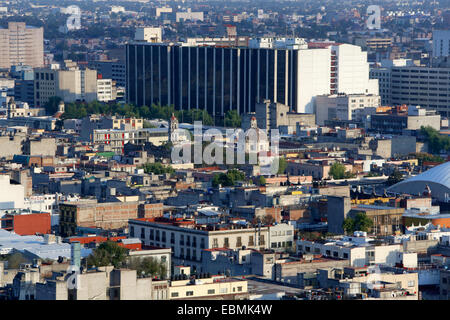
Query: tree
x=148, y=266
x=337, y=171
x=229, y=179
x=51, y=107
x=282, y=165
x=360, y=222
x=436, y=141
x=261, y=181
x=157, y=168
x=395, y=177
x=232, y=119
x=108, y=253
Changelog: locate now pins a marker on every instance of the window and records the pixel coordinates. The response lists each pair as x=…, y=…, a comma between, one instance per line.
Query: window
x=211, y=291
x=239, y=242
x=261, y=240
x=223, y=290
x=174, y=294
x=142, y=233
x=239, y=289
x=189, y=293
x=202, y=243
x=250, y=241
x=152, y=234
x=172, y=238
x=215, y=243
x=226, y=242
x=411, y=283
x=132, y=231
x=182, y=239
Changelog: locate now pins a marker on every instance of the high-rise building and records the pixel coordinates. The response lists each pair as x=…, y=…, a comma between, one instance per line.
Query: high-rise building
x=218, y=78
x=21, y=44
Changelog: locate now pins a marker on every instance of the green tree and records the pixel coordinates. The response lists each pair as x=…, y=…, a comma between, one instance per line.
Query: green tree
x=52, y=105
x=436, y=141
x=261, y=181
x=228, y=179
x=108, y=253
x=148, y=267
x=282, y=165
x=232, y=119
x=360, y=222
x=157, y=168
x=394, y=177
x=337, y=171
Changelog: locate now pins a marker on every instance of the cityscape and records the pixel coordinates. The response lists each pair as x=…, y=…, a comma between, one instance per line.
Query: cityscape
x=244, y=152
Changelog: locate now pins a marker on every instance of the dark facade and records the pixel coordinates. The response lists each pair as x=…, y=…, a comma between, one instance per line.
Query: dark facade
x=24, y=91
x=216, y=79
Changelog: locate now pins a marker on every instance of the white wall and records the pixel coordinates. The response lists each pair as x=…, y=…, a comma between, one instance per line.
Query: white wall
x=313, y=77
x=11, y=196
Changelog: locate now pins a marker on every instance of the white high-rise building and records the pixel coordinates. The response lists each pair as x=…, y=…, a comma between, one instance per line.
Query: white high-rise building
x=345, y=107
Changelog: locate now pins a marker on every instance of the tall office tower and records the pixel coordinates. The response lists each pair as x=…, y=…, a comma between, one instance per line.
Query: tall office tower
x=21, y=44
x=220, y=78
x=441, y=43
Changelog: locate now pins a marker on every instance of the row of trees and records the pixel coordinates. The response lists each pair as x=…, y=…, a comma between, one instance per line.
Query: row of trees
x=157, y=168
x=109, y=253
x=228, y=179
x=78, y=110
x=436, y=141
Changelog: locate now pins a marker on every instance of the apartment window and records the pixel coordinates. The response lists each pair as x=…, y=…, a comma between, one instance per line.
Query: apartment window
x=215, y=243
x=189, y=293
x=239, y=242
x=182, y=239
x=188, y=240
x=172, y=238
x=194, y=242
x=251, y=241
x=132, y=231
x=152, y=234
x=239, y=289
x=174, y=294
x=202, y=243
x=188, y=254
x=157, y=235
x=345, y=255
x=261, y=240
x=211, y=291
x=223, y=290
x=411, y=283
x=226, y=243
x=142, y=233
x=163, y=236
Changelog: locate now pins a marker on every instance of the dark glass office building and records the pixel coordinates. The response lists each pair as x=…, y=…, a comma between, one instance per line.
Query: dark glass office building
x=216, y=79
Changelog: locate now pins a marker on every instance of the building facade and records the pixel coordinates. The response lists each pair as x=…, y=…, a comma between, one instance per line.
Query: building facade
x=218, y=78
x=21, y=44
